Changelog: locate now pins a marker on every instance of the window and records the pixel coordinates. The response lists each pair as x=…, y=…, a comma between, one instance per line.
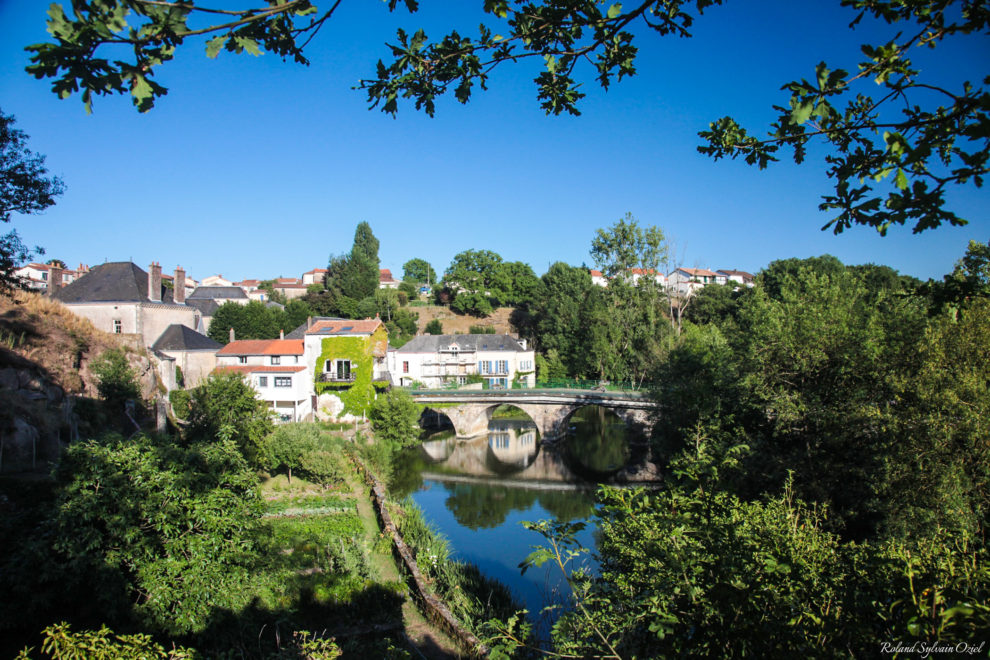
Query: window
x=117, y=326
x=242, y=359
x=343, y=369
x=485, y=367
x=276, y=359
x=262, y=381
x=526, y=365
x=503, y=366
x=405, y=366
x=283, y=381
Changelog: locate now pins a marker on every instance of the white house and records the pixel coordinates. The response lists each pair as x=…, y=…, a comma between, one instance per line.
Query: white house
x=437, y=360
x=276, y=369
x=685, y=281
x=737, y=276
x=636, y=274
x=36, y=277
x=314, y=276
x=386, y=281
x=598, y=279
x=215, y=280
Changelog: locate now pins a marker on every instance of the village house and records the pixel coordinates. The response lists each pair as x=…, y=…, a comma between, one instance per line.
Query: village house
x=439, y=360
x=277, y=370
x=598, y=279
x=314, y=276
x=386, y=281
x=216, y=280
x=347, y=360
x=121, y=298
x=737, y=276
x=194, y=354
x=685, y=281
x=290, y=287
x=35, y=276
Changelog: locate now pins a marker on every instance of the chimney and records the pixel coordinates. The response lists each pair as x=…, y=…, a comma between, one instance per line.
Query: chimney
x=309, y=322
x=179, y=286
x=281, y=334
x=231, y=333
x=155, y=282
x=54, y=279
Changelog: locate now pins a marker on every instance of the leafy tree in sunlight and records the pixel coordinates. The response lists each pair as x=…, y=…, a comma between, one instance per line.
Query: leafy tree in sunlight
x=25, y=188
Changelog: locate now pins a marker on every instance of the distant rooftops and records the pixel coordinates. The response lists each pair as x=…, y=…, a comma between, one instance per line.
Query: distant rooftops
x=467, y=343
x=217, y=293
x=114, y=281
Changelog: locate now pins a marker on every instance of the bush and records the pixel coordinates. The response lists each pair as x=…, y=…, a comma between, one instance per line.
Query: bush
x=322, y=467
x=434, y=327
x=180, y=400
x=395, y=418
x=117, y=381
x=482, y=330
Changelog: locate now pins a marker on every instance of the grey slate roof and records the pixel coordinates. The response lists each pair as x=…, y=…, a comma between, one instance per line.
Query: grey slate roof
x=300, y=332
x=214, y=292
x=116, y=281
x=207, y=307
x=434, y=343
x=182, y=338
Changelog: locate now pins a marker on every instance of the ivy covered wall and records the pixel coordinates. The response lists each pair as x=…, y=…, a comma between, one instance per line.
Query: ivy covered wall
x=361, y=351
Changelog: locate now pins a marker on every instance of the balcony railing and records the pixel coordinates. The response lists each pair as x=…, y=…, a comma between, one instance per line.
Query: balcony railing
x=332, y=377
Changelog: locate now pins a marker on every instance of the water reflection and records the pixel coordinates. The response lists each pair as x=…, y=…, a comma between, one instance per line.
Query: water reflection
x=477, y=491
x=596, y=445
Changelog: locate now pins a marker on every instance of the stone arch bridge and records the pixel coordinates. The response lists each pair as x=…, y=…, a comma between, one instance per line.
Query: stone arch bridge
x=471, y=410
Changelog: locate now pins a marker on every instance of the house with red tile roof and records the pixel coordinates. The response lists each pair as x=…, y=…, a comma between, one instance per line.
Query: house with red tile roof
x=277, y=370
x=386, y=281
x=314, y=276
x=685, y=281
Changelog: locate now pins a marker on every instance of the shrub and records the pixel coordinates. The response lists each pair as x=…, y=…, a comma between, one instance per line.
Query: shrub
x=180, y=403
x=117, y=381
x=434, y=327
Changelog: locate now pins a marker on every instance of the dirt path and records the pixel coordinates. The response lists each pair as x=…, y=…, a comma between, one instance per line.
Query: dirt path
x=425, y=639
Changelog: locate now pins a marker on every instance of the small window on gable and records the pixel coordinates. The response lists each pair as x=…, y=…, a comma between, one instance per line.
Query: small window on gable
x=242, y=359
x=276, y=359
x=117, y=326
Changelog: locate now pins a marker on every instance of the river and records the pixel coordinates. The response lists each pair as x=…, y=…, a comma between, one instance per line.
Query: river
x=478, y=491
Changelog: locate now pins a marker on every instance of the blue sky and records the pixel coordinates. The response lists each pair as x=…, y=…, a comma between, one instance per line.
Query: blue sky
x=255, y=168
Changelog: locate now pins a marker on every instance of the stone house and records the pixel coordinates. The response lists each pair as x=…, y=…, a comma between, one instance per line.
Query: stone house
x=347, y=360
x=121, y=298
x=193, y=353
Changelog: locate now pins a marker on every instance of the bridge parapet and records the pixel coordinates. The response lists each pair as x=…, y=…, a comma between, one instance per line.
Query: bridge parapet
x=549, y=409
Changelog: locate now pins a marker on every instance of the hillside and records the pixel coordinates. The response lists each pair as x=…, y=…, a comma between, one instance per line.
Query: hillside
x=454, y=323
x=45, y=377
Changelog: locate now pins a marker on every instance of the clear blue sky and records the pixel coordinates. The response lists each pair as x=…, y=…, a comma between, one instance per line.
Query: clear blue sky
x=252, y=167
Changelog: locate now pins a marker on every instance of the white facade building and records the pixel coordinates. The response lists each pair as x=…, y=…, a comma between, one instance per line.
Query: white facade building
x=439, y=360
x=685, y=281
x=276, y=369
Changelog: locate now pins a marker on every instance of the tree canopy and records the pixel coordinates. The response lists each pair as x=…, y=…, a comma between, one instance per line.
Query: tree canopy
x=419, y=271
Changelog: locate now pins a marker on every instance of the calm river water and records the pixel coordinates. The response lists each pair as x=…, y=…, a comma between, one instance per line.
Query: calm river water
x=477, y=491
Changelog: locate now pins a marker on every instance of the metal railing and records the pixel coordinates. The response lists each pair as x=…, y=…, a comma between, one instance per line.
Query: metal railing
x=331, y=377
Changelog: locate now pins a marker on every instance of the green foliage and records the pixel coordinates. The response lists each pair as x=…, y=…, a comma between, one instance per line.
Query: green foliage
x=359, y=394
x=915, y=147
x=395, y=418
x=402, y=327
x=434, y=327
x=969, y=280
x=418, y=271
x=117, y=382
x=351, y=280
x=224, y=407
x=60, y=641
x=322, y=466
x=180, y=400
x=284, y=447
x=149, y=525
x=26, y=189
x=256, y=320
x=482, y=330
